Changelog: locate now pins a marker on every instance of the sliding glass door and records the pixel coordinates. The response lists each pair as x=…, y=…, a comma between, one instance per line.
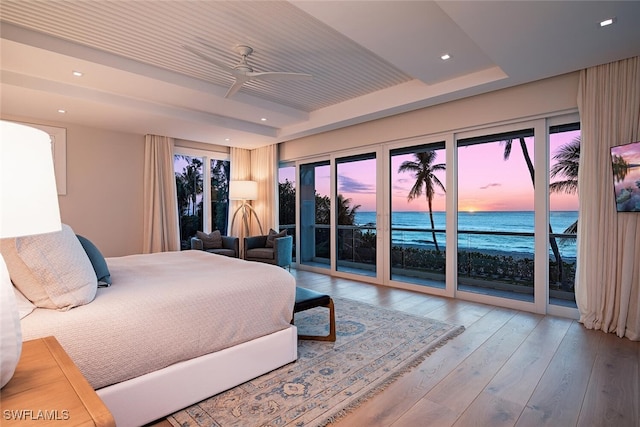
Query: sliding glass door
x=418, y=214
x=356, y=214
x=564, y=157
x=463, y=214
x=315, y=214
x=496, y=215
x=287, y=202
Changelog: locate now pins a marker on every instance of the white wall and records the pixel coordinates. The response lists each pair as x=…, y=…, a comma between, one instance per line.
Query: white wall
x=104, y=186
x=525, y=101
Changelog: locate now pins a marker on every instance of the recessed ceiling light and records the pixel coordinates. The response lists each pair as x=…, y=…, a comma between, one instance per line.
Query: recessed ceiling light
x=77, y=73
x=445, y=57
x=264, y=119
x=607, y=22
x=227, y=139
x=62, y=111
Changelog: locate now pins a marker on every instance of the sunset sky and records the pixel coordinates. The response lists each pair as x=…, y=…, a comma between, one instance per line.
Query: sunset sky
x=486, y=182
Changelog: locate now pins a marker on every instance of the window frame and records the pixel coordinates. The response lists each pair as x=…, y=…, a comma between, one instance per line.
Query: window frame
x=207, y=156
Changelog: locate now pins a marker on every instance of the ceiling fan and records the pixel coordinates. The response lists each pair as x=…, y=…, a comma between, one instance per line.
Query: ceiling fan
x=243, y=71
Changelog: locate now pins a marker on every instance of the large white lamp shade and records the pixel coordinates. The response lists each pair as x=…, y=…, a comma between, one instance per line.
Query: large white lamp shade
x=28, y=205
x=243, y=190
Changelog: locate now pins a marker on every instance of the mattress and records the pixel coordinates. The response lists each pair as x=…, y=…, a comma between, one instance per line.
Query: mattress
x=164, y=308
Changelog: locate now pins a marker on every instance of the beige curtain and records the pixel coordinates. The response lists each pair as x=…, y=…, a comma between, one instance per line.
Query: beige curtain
x=240, y=160
x=608, y=276
x=161, y=230
x=264, y=170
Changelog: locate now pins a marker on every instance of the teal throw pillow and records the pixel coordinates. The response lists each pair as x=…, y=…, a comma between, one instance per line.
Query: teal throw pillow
x=97, y=261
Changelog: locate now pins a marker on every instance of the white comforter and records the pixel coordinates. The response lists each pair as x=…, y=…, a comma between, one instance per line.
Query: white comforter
x=167, y=307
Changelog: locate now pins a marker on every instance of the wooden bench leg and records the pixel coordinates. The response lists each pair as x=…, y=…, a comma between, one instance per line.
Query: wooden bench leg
x=332, y=326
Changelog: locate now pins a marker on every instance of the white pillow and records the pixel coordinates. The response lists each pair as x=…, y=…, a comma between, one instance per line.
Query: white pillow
x=52, y=270
x=25, y=306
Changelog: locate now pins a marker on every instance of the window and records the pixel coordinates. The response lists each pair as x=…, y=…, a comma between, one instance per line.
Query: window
x=202, y=193
x=287, y=201
x=315, y=215
x=496, y=215
x=189, y=182
x=564, y=157
x=482, y=225
x=356, y=236
x=220, y=170
x=418, y=214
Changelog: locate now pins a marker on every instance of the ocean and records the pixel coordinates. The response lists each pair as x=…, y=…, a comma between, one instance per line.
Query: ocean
x=512, y=222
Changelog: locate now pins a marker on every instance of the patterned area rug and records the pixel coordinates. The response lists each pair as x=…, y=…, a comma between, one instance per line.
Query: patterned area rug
x=374, y=346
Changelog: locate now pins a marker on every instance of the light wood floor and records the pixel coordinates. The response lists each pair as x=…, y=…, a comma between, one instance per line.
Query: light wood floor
x=508, y=368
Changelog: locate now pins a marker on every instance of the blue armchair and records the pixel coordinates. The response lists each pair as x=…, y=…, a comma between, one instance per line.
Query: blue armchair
x=256, y=249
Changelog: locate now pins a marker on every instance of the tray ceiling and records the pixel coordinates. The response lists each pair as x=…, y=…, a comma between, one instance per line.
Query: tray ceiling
x=369, y=59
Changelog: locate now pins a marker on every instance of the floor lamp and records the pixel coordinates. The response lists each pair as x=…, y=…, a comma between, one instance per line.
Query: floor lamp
x=28, y=205
x=244, y=190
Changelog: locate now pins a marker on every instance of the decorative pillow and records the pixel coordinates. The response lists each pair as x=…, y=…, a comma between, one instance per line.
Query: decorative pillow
x=51, y=270
x=25, y=306
x=212, y=240
x=274, y=235
x=97, y=261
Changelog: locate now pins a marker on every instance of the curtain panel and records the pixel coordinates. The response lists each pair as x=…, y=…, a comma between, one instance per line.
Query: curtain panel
x=161, y=229
x=240, y=171
x=264, y=170
x=608, y=271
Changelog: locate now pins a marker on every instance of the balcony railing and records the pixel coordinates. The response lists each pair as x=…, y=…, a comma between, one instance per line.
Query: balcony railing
x=510, y=269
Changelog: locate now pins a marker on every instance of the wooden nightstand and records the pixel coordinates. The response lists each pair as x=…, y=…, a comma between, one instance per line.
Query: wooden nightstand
x=48, y=389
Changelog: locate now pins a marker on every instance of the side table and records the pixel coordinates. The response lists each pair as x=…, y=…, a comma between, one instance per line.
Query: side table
x=47, y=389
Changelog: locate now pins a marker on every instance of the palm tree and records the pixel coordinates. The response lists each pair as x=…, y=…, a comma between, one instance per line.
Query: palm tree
x=192, y=176
x=567, y=162
x=527, y=158
x=346, y=212
x=189, y=183
x=220, y=170
x=287, y=198
x=424, y=172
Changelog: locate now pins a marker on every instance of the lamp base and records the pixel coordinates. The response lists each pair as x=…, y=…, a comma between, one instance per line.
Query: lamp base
x=10, y=331
x=245, y=217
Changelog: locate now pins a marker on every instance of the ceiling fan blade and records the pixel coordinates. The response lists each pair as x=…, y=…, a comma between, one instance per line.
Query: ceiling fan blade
x=207, y=58
x=278, y=75
x=237, y=84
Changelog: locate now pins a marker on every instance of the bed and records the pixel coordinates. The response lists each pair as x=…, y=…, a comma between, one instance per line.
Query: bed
x=174, y=328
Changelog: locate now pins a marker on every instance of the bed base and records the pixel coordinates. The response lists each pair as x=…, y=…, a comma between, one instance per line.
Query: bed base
x=157, y=394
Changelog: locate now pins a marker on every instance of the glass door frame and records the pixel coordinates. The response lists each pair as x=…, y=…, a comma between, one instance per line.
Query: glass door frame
x=382, y=151
x=553, y=309
x=541, y=217
x=380, y=265
x=447, y=138
x=299, y=232
x=332, y=159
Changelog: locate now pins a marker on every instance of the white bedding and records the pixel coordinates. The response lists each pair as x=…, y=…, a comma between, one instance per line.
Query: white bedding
x=167, y=307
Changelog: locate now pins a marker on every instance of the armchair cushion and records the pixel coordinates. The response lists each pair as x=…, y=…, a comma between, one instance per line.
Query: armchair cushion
x=261, y=253
x=212, y=240
x=255, y=249
x=230, y=246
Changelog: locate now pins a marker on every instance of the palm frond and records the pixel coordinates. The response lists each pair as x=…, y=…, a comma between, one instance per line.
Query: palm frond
x=568, y=186
x=508, y=144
